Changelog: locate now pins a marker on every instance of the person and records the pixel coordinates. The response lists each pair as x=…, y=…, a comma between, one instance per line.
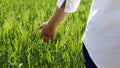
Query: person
x=101, y=40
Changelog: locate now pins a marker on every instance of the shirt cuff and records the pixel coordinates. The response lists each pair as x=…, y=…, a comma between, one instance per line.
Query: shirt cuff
x=70, y=6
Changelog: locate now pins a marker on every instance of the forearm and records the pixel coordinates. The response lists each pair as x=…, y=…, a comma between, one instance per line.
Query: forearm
x=57, y=17
x=48, y=28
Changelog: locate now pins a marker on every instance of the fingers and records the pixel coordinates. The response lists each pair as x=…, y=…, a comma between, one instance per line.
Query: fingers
x=47, y=38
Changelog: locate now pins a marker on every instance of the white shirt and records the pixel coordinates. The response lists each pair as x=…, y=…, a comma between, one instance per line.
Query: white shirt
x=102, y=34
x=71, y=5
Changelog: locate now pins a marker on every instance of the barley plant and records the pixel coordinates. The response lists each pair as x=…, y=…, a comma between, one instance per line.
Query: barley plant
x=20, y=42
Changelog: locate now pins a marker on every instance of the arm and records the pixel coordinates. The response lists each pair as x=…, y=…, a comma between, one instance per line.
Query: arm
x=48, y=28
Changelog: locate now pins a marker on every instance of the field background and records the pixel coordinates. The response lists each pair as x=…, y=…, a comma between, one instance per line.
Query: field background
x=20, y=44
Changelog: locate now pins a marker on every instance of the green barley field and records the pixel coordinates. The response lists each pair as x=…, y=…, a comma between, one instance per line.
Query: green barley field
x=20, y=42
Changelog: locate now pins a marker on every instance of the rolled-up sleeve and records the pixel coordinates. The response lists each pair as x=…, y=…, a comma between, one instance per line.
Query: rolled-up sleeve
x=70, y=5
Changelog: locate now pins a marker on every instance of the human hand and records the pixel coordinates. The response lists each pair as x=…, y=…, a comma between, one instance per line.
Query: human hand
x=47, y=33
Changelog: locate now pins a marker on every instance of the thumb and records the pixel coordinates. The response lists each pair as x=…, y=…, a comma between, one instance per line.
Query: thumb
x=40, y=27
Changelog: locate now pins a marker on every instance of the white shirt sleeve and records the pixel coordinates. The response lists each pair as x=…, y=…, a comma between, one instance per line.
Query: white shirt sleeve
x=70, y=6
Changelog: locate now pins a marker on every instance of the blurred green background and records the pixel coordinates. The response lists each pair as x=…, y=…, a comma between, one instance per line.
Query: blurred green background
x=20, y=43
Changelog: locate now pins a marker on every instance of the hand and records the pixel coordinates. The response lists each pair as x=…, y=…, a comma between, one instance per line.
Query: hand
x=47, y=32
